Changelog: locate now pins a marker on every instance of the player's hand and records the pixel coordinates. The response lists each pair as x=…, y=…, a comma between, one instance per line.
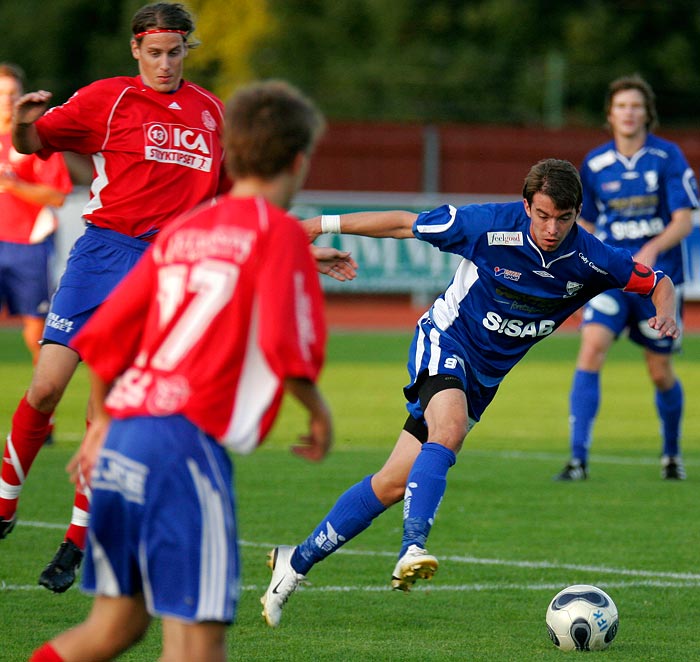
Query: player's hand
x=85, y=458
x=334, y=263
x=647, y=254
x=30, y=107
x=315, y=445
x=666, y=326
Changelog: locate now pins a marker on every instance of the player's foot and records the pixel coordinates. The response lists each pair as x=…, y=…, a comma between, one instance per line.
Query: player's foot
x=574, y=470
x=415, y=564
x=6, y=526
x=672, y=468
x=284, y=582
x=59, y=575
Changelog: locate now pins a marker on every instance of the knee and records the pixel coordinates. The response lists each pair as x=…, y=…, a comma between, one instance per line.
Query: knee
x=388, y=489
x=44, y=395
x=122, y=636
x=450, y=433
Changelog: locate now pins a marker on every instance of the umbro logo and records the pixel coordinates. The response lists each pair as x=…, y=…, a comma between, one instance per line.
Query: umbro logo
x=175, y=106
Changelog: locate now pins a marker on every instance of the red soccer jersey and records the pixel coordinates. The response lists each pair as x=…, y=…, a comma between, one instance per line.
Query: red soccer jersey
x=155, y=155
x=215, y=315
x=23, y=222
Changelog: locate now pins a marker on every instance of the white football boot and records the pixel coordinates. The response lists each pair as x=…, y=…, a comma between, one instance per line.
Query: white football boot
x=284, y=582
x=415, y=564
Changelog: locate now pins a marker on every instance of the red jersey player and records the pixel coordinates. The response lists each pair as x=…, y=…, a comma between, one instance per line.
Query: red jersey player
x=218, y=317
x=155, y=143
x=154, y=140
x=30, y=189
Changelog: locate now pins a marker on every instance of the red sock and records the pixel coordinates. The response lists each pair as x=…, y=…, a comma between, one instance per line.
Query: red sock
x=29, y=430
x=45, y=653
x=77, y=531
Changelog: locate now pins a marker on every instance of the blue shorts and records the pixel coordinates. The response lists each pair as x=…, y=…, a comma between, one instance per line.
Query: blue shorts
x=162, y=521
x=618, y=310
x=25, y=277
x=98, y=261
x=433, y=354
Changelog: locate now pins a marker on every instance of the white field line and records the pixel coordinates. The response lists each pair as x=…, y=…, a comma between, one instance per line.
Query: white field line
x=634, y=577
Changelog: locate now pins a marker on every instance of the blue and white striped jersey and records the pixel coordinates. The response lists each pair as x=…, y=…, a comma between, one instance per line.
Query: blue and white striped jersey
x=631, y=199
x=507, y=294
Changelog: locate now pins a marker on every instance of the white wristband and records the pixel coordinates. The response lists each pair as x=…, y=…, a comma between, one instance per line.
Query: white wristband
x=330, y=224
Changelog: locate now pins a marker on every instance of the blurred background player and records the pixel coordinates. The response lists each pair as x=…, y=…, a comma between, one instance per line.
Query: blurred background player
x=30, y=189
x=156, y=150
x=218, y=317
x=465, y=345
x=638, y=192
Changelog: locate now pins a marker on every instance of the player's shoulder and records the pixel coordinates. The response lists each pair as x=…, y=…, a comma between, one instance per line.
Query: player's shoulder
x=113, y=85
x=500, y=215
x=192, y=89
x=600, y=157
x=662, y=147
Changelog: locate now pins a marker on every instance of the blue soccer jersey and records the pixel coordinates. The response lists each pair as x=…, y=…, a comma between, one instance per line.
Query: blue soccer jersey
x=631, y=200
x=507, y=294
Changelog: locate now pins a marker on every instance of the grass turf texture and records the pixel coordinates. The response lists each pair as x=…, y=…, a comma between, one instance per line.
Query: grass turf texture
x=507, y=536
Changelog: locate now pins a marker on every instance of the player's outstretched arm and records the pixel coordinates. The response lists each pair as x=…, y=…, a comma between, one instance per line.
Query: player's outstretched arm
x=397, y=224
x=664, y=299
x=317, y=442
x=28, y=109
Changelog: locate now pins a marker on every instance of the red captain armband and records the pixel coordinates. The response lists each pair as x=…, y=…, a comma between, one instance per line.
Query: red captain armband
x=643, y=279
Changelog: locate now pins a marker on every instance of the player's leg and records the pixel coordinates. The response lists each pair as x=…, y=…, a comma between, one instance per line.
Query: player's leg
x=30, y=425
x=60, y=573
x=448, y=423
x=32, y=332
x=99, y=261
x=193, y=642
x=669, y=406
x=584, y=397
x=658, y=353
x=351, y=514
x=113, y=625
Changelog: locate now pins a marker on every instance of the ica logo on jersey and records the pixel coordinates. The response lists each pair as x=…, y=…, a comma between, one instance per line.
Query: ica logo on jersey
x=178, y=144
x=517, y=328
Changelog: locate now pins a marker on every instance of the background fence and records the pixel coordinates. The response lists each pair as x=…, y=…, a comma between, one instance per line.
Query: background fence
x=387, y=266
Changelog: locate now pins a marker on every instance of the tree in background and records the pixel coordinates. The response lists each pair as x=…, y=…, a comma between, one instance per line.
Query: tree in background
x=230, y=33
x=501, y=61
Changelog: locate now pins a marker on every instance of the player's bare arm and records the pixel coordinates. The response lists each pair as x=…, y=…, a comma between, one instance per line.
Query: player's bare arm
x=28, y=109
x=85, y=458
x=314, y=445
x=664, y=299
x=397, y=224
x=38, y=194
x=678, y=229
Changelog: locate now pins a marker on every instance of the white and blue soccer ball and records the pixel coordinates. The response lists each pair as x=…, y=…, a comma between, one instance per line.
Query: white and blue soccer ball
x=582, y=618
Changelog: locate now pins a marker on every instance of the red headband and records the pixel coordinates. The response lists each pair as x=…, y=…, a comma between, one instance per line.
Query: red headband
x=157, y=31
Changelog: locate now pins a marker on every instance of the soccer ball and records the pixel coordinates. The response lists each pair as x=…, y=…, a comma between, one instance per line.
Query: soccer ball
x=583, y=618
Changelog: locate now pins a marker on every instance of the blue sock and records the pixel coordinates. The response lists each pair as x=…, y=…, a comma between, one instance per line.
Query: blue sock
x=352, y=513
x=584, y=401
x=424, y=491
x=669, y=405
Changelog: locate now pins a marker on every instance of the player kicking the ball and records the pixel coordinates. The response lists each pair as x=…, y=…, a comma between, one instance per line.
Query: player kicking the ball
x=526, y=266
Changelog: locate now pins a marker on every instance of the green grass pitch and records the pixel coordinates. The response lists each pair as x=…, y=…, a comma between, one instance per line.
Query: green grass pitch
x=507, y=536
